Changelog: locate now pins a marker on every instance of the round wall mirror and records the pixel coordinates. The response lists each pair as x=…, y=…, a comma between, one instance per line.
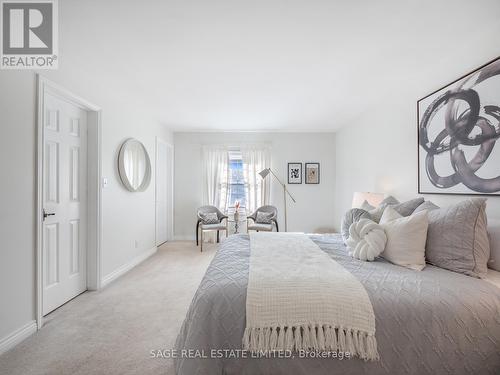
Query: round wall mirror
x=134, y=165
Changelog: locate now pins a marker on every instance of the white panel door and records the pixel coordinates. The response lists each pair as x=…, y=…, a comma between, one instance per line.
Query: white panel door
x=64, y=202
x=164, y=191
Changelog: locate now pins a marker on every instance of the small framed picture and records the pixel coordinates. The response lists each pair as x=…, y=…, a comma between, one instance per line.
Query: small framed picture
x=312, y=173
x=294, y=173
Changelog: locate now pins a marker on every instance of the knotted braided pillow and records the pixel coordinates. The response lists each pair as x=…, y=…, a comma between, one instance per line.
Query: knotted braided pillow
x=366, y=241
x=350, y=217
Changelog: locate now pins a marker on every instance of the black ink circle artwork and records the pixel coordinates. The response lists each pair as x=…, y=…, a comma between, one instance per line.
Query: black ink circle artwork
x=462, y=118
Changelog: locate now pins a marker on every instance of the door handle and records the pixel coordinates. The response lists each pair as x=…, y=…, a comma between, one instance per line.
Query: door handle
x=45, y=214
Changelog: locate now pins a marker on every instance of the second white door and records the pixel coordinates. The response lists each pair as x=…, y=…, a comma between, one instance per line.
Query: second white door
x=164, y=191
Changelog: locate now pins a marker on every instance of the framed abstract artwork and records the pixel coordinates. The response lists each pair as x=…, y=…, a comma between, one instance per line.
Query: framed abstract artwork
x=294, y=173
x=312, y=173
x=458, y=130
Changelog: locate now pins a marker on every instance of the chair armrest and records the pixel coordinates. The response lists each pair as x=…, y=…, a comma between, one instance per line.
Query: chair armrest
x=275, y=220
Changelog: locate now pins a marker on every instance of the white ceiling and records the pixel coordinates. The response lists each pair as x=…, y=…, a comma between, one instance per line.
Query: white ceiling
x=271, y=65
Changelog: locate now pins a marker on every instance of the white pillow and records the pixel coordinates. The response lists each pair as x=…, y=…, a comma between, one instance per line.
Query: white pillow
x=406, y=237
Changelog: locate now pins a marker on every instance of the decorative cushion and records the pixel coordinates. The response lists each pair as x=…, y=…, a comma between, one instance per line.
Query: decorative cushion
x=209, y=218
x=389, y=200
x=366, y=206
x=366, y=240
x=494, y=233
x=218, y=226
x=390, y=215
x=352, y=216
x=408, y=207
x=404, y=209
x=260, y=227
x=264, y=217
x=376, y=213
x=458, y=238
x=406, y=238
x=425, y=206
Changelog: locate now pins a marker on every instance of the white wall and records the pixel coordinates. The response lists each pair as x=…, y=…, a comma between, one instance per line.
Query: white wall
x=378, y=151
x=17, y=195
x=127, y=217
x=313, y=211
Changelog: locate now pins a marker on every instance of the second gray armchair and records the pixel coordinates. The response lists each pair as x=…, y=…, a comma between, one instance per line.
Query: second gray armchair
x=270, y=216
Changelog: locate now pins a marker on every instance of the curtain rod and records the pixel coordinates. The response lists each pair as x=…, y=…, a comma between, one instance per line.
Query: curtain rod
x=235, y=146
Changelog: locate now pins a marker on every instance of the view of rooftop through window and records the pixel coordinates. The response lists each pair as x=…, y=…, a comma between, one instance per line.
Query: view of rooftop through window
x=237, y=185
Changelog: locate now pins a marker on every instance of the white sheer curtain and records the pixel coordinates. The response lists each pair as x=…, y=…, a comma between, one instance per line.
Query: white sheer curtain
x=215, y=169
x=255, y=159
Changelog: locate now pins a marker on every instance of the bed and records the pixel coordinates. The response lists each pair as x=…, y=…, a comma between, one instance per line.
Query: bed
x=429, y=322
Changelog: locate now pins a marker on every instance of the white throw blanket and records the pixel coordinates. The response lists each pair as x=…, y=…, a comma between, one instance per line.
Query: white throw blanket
x=299, y=298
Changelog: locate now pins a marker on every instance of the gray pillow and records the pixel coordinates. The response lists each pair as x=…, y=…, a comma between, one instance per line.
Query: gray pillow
x=352, y=216
x=376, y=213
x=264, y=217
x=407, y=208
x=494, y=233
x=426, y=206
x=404, y=209
x=389, y=200
x=209, y=218
x=366, y=206
x=457, y=238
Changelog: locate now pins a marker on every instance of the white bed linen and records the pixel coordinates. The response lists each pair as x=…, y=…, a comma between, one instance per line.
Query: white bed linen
x=493, y=277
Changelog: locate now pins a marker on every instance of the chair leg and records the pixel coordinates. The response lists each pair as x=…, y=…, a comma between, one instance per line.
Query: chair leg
x=201, y=249
x=197, y=230
x=218, y=237
x=277, y=229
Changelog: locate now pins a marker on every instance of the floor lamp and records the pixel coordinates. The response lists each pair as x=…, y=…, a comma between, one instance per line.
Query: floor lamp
x=264, y=173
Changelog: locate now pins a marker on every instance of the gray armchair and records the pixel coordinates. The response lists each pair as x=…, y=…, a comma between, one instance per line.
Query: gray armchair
x=261, y=226
x=200, y=227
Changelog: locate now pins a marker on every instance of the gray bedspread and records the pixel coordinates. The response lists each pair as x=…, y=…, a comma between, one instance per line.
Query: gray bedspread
x=429, y=322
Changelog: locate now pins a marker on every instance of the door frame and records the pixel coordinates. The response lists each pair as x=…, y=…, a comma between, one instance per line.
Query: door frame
x=94, y=214
x=170, y=232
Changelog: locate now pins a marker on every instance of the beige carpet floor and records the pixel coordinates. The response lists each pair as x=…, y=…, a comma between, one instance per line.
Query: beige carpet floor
x=113, y=331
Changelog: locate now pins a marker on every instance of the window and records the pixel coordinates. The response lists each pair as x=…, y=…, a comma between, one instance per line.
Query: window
x=236, y=181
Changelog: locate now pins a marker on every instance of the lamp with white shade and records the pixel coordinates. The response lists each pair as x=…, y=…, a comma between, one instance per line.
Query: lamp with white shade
x=373, y=199
x=264, y=173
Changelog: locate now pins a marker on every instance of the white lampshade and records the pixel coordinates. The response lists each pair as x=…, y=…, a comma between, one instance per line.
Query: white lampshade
x=373, y=199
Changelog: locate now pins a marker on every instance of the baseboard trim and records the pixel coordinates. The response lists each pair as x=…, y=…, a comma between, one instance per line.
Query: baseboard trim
x=120, y=271
x=17, y=336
